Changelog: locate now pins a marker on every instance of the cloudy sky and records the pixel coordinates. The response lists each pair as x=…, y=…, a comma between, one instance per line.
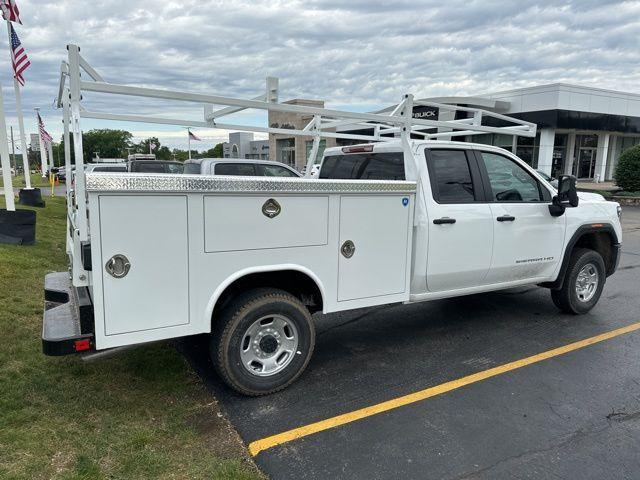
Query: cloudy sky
x=354, y=54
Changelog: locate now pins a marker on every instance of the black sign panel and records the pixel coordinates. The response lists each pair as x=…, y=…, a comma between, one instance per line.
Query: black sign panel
x=423, y=112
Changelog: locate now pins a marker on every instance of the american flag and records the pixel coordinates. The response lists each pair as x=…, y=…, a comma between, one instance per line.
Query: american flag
x=193, y=137
x=19, y=59
x=10, y=11
x=46, y=138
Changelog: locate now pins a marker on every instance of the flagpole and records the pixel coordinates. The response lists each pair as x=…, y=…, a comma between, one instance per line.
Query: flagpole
x=4, y=160
x=43, y=154
x=23, y=140
x=189, y=142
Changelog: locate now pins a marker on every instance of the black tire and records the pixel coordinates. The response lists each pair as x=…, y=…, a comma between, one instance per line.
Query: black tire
x=229, y=340
x=566, y=297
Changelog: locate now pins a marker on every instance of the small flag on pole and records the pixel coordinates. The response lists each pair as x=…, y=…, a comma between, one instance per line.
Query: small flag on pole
x=19, y=59
x=152, y=146
x=10, y=11
x=193, y=137
x=46, y=138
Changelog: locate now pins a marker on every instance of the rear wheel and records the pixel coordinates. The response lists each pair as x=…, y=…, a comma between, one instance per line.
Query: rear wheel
x=262, y=342
x=583, y=282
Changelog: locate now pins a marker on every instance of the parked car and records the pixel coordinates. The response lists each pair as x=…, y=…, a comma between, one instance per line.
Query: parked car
x=551, y=180
x=154, y=166
x=238, y=167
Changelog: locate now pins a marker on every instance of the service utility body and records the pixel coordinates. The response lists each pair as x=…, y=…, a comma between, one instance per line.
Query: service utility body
x=408, y=215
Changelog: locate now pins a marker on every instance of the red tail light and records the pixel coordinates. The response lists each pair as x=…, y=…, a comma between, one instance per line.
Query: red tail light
x=82, y=345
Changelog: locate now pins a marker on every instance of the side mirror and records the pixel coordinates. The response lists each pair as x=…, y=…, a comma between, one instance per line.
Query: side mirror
x=567, y=195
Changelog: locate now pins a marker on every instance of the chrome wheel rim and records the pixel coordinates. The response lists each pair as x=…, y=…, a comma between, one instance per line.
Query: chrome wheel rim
x=587, y=282
x=268, y=345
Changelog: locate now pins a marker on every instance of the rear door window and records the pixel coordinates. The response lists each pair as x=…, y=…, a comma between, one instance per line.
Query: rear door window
x=364, y=166
x=192, y=168
x=274, y=171
x=241, y=169
x=450, y=176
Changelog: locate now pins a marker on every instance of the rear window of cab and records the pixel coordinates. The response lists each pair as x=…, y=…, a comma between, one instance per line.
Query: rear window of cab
x=364, y=166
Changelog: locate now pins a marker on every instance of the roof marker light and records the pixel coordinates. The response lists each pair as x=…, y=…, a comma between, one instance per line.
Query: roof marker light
x=358, y=149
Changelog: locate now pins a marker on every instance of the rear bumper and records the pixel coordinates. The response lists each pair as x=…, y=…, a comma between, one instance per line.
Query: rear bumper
x=67, y=321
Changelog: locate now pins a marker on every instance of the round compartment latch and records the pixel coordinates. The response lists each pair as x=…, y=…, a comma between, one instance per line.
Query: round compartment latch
x=271, y=208
x=348, y=249
x=118, y=266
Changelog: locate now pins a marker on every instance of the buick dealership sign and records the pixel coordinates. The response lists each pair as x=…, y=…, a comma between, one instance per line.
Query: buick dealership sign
x=426, y=113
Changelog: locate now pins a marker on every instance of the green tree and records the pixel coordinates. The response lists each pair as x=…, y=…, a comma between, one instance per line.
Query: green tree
x=215, y=152
x=143, y=146
x=106, y=142
x=163, y=153
x=627, y=172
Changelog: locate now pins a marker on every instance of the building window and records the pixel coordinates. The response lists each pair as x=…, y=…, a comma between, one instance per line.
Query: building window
x=559, y=154
x=286, y=151
x=321, y=147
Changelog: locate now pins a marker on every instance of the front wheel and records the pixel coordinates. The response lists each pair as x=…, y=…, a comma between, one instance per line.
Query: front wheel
x=262, y=342
x=583, y=282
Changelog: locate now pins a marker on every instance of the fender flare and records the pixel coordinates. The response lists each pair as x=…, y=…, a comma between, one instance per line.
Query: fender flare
x=577, y=235
x=213, y=300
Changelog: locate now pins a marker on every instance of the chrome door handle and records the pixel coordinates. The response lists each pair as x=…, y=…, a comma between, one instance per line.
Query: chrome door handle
x=444, y=220
x=506, y=218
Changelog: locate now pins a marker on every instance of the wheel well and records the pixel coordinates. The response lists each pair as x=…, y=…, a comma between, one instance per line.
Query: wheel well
x=601, y=242
x=296, y=283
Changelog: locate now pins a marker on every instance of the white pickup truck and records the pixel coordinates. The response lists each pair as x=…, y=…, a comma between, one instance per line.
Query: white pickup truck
x=248, y=260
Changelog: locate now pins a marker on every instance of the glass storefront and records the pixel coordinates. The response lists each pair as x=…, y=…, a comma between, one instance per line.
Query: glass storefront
x=584, y=163
x=286, y=151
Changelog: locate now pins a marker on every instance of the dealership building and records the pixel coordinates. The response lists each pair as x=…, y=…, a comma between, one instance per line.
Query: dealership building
x=581, y=130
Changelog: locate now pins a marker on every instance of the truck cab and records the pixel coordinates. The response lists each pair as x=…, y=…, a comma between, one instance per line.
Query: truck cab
x=483, y=219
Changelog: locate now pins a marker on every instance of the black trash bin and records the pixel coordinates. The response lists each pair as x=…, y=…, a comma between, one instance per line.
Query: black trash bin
x=31, y=197
x=18, y=228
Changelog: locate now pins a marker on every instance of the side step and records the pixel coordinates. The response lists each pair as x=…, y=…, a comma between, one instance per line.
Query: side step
x=67, y=322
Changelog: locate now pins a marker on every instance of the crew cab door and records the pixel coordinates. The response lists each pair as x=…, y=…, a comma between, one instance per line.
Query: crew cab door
x=460, y=224
x=527, y=240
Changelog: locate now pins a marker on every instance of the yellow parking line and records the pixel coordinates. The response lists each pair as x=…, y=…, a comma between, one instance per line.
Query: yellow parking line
x=284, y=437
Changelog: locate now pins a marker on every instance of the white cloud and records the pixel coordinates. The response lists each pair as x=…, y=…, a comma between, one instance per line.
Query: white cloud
x=344, y=51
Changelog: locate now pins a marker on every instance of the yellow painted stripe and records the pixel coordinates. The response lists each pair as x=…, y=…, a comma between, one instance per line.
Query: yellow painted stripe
x=284, y=437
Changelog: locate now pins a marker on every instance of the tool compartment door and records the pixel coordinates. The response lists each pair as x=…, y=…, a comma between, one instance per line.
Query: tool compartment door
x=378, y=228
x=151, y=231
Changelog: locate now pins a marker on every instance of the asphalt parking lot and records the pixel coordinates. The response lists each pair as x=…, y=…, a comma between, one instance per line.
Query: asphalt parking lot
x=441, y=390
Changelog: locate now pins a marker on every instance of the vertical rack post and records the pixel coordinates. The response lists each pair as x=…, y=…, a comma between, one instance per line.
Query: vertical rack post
x=74, y=100
x=315, y=147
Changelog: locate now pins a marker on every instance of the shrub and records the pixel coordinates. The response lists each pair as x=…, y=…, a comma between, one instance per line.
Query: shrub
x=627, y=173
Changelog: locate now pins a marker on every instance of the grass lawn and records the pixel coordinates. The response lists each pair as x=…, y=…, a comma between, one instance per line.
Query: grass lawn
x=141, y=414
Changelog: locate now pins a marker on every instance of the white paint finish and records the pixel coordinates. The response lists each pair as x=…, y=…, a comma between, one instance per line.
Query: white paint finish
x=571, y=151
x=569, y=97
x=210, y=273
x=236, y=222
x=545, y=152
x=378, y=226
x=459, y=254
x=602, y=152
x=528, y=247
x=539, y=101
x=151, y=231
x=612, y=160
